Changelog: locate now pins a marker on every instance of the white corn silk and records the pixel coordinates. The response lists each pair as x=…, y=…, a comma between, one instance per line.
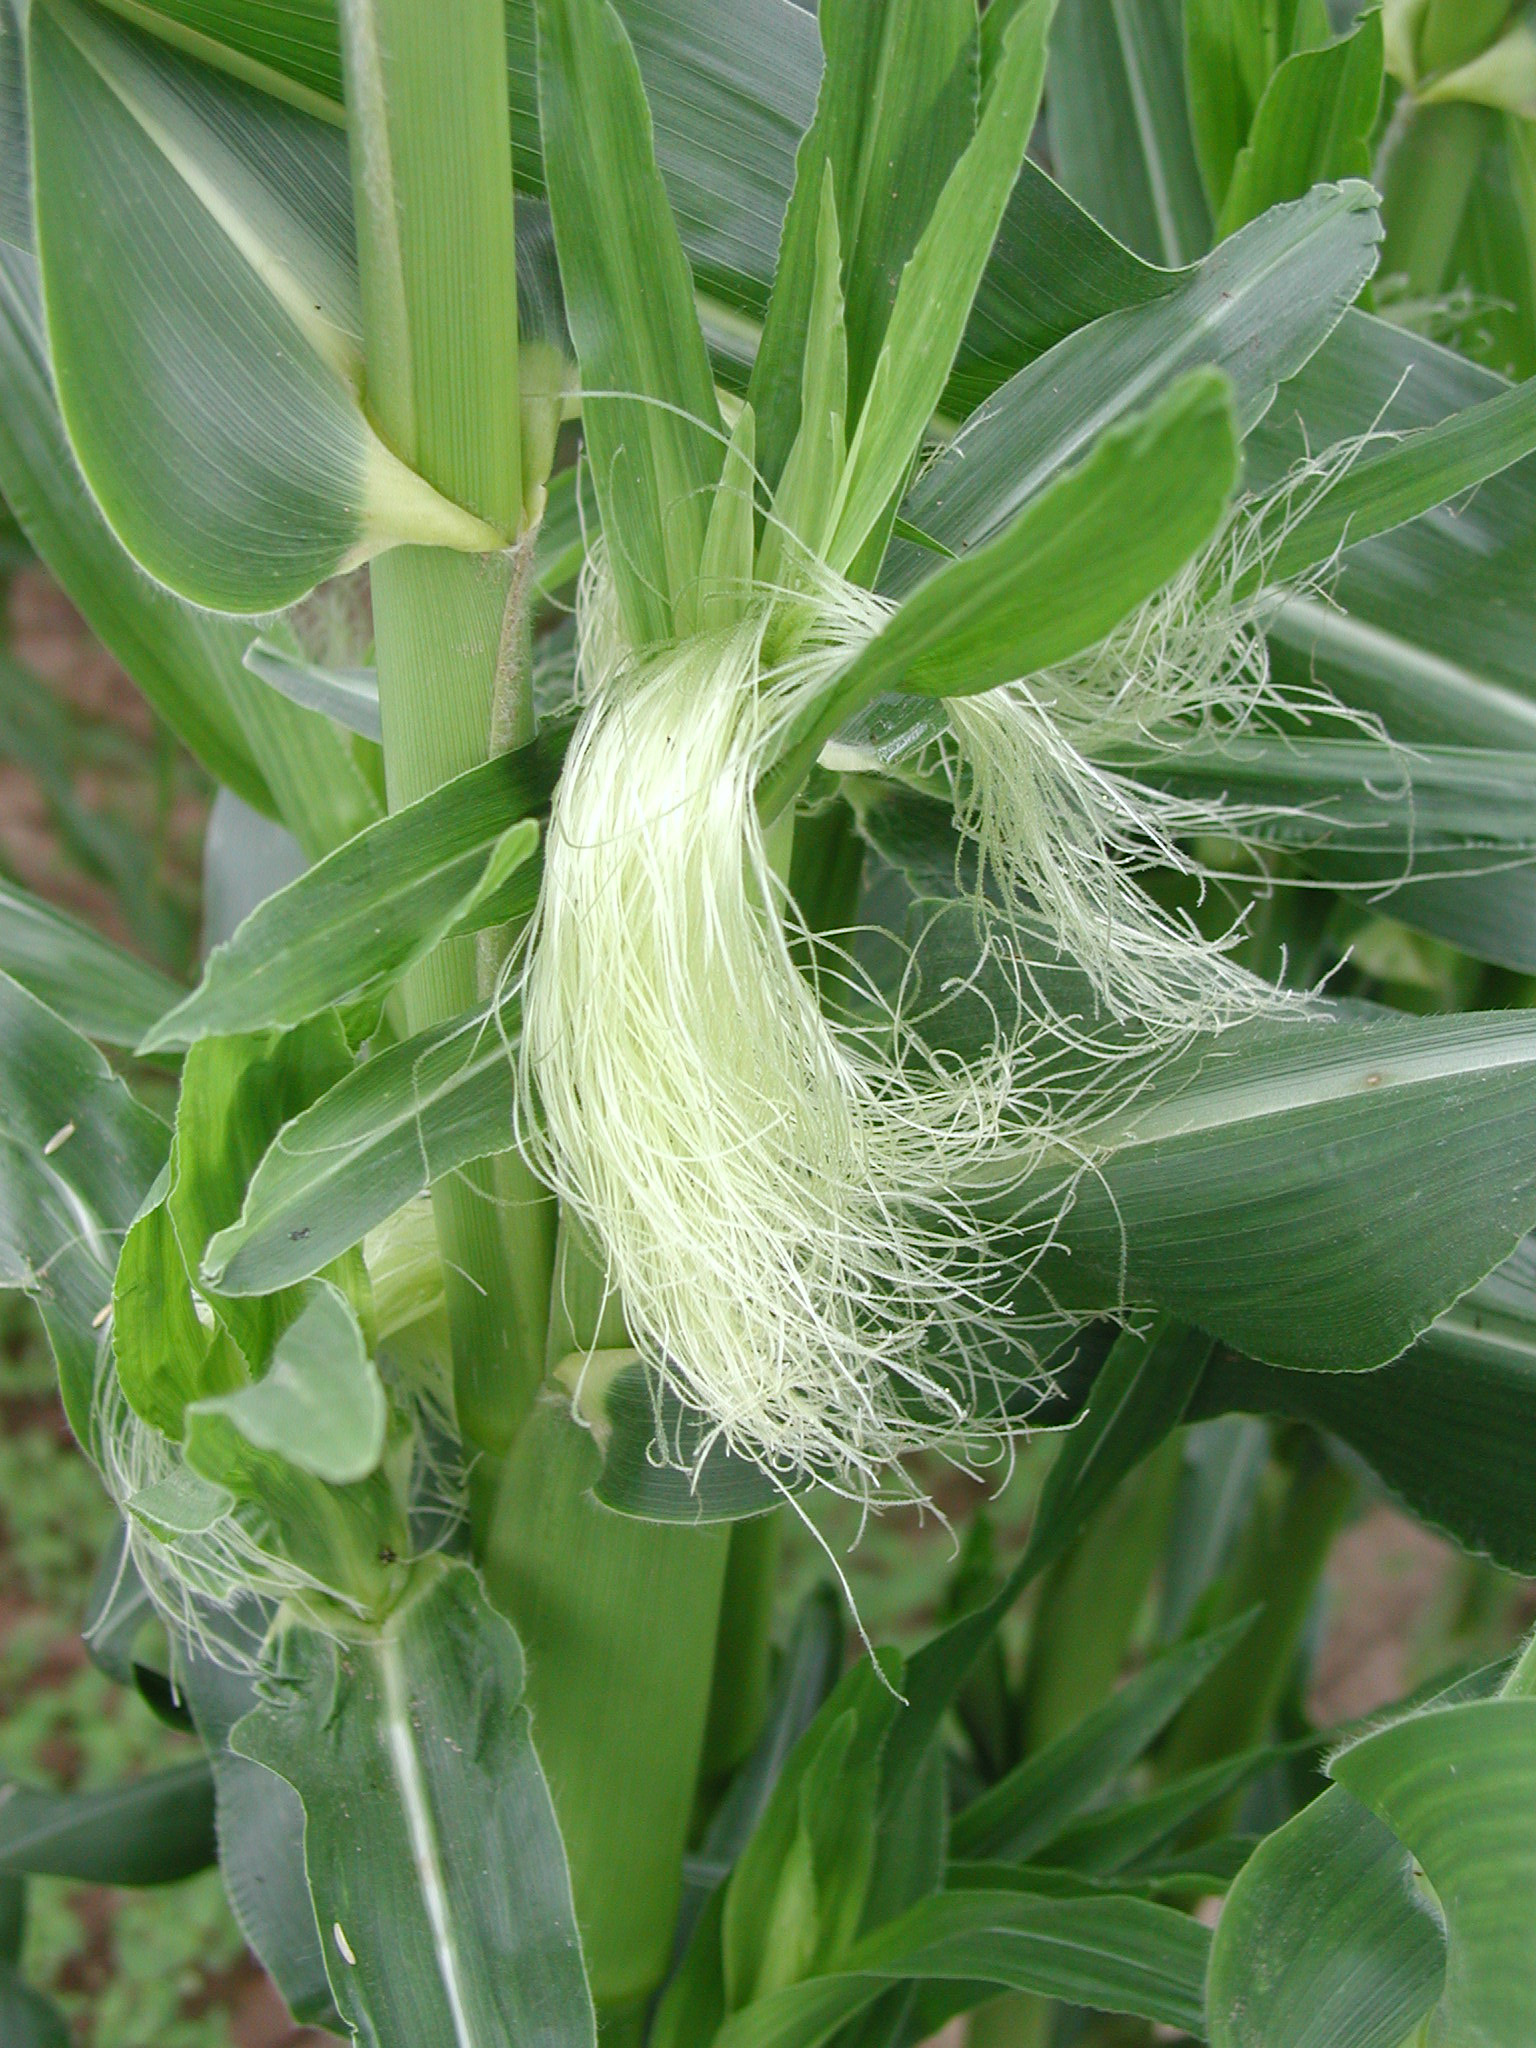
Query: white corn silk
x=772, y=1190
x=778, y=1192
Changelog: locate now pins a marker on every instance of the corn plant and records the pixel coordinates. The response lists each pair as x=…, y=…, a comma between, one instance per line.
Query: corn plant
x=916, y=783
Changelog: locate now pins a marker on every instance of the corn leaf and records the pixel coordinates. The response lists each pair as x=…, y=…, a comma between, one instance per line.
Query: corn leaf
x=1441, y=806
x=1070, y=566
x=656, y=451
x=1457, y=1786
x=1312, y=124
x=350, y=926
x=152, y=1830
x=1024, y=1812
x=287, y=47
x=1436, y=620
x=95, y=986
x=1257, y=308
x=1128, y=1833
x=1325, y=1941
x=1448, y=1427
x=1139, y=1395
x=896, y=108
x=348, y=695
x=1114, y=1954
x=733, y=89
x=794, y=1898
x=937, y=286
x=261, y=1842
x=723, y=1488
x=1241, y=1190
x=319, y=1405
x=77, y=1156
x=1119, y=129
x=205, y=229
x=186, y=663
x=1426, y=468
x=458, y=1926
x=168, y=1349
x=400, y=1121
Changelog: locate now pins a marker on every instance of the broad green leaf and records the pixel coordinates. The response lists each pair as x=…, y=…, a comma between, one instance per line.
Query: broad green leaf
x=320, y=1403
x=693, y=2004
x=896, y=108
x=1243, y=1190
x=152, y=1830
x=1444, y=34
x=1325, y=1940
x=1129, y=1833
x=727, y=128
x=95, y=986
x=77, y=1156
x=1424, y=469
x=1082, y=554
x=1457, y=1786
x=1023, y=1814
x=1448, y=1427
x=1114, y=1954
x=205, y=228
x=320, y=785
x=1368, y=809
x=348, y=1537
x=1434, y=623
x=287, y=47
x=937, y=287
x=457, y=1926
x=1257, y=308
x=1053, y=269
x=1502, y=76
x=1226, y=67
x=1489, y=912
x=656, y=449
x=187, y=662
x=261, y=1841
x=1088, y=550
x=1313, y=124
x=1139, y=1395
x=164, y=1352
x=1119, y=129
x=119, y=1611
x=181, y=1504
x=349, y=695
x=182, y=660
x=399, y=1122
x=350, y=926
x=236, y=1094
x=724, y=1488
x=1442, y=836
x=805, y=1677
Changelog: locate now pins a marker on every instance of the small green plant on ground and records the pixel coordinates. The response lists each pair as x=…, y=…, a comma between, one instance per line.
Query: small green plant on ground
x=850, y=848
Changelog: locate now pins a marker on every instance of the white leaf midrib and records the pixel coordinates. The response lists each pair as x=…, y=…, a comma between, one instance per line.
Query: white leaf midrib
x=400, y=1741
